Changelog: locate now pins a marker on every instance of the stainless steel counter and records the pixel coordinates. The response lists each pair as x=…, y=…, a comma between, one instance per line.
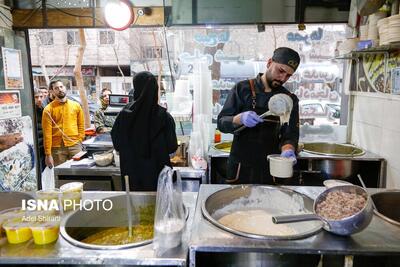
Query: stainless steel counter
x=368, y=156
x=305, y=162
x=63, y=252
x=114, y=173
x=379, y=238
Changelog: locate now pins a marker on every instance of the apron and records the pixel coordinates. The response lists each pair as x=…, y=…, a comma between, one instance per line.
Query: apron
x=247, y=163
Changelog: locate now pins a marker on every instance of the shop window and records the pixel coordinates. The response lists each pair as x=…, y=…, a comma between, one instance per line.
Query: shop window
x=46, y=38
x=72, y=37
x=152, y=52
x=127, y=87
x=107, y=37
x=106, y=85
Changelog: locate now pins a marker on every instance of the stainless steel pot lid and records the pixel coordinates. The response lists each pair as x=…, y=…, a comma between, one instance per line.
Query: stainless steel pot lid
x=268, y=199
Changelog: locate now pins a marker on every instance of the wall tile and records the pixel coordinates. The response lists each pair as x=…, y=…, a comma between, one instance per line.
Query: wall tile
x=390, y=148
x=391, y=119
x=367, y=136
x=392, y=177
x=369, y=110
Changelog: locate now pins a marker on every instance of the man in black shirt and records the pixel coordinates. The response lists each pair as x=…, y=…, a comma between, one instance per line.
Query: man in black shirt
x=247, y=100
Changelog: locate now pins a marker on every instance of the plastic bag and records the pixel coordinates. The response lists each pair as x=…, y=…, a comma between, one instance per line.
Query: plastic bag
x=48, y=179
x=196, y=151
x=169, y=221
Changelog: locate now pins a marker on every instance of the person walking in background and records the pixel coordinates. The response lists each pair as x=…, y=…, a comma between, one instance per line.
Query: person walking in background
x=144, y=135
x=39, y=111
x=102, y=122
x=63, y=127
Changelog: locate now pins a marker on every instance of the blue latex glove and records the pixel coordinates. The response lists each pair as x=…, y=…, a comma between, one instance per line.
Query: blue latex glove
x=289, y=153
x=250, y=118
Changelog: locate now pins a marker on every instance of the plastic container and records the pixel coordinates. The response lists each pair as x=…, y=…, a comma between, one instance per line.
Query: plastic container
x=17, y=231
x=48, y=194
x=280, y=167
x=10, y=214
x=71, y=195
x=45, y=233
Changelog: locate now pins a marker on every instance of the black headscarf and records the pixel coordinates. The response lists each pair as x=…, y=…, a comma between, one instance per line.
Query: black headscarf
x=144, y=121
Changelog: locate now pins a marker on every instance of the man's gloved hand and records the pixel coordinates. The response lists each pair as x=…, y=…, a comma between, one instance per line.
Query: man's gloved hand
x=289, y=153
x=250, y=119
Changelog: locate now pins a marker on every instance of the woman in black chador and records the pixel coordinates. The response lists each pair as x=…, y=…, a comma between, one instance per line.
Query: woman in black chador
x=144, y=135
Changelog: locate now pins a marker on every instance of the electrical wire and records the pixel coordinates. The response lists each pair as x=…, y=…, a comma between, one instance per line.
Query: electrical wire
x=74, y=15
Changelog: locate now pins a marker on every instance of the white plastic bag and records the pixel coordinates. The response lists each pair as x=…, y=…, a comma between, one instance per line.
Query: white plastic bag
x=48, y=179
x=169, y=221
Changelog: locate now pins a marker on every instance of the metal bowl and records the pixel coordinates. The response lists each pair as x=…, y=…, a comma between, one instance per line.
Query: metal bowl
x=268, y=198
x=386, y=203
x=354, y=223
x=346, y=226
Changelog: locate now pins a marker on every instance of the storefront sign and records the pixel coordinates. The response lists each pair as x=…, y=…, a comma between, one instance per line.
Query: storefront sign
x=12, y=65
x=212, y=39
x=66, y=71
x=10, y=104
x=297, y=37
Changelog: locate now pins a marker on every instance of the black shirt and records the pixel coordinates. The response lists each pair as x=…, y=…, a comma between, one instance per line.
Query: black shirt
x=240, y=100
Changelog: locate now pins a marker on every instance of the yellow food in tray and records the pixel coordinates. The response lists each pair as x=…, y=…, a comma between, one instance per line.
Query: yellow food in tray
x=10, y=214
x=224, y=146
x=17, y=231
x=45, y=233
x=119, y=235
x=144, y=230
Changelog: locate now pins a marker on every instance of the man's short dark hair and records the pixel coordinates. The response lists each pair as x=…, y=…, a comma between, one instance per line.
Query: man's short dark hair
x=53, y=82
x=104, y=90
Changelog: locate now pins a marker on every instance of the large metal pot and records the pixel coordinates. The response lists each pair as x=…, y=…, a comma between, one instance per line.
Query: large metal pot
x=339, y=164
x=386, y=203
x=346, y=226
x=81, y=224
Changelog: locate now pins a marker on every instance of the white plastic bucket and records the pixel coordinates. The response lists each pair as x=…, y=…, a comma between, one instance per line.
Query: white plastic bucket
x=280, y=167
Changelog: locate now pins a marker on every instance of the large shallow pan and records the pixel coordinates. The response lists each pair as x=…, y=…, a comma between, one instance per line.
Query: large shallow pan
x=346, y=226
x=272, y=199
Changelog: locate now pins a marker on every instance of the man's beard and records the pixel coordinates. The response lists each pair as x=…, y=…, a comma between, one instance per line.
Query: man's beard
x=274, y=83
x=61, y=95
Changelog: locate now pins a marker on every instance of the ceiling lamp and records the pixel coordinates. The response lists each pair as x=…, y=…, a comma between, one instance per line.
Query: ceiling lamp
x=118, y=14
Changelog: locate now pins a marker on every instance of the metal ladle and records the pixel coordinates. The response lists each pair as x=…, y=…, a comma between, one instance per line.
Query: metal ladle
x=278, y=105
x=363, y=185
x=128, y=206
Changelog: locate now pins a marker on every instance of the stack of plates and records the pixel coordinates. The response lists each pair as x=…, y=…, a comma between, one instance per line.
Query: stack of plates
x=364, y=32
x=347, y=46
x=394, y=28
x=372, y=25
x=383, y=27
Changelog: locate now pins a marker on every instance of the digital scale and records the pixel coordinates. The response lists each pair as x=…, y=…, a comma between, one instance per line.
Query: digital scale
x=116, y=103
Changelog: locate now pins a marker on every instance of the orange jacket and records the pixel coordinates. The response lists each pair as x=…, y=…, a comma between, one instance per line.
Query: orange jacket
x=66, y=117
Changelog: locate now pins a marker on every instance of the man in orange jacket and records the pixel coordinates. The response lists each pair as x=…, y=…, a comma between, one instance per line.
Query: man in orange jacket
x=63, y=127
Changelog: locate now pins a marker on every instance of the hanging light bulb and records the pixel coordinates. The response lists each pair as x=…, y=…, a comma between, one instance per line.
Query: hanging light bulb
x=118, y=14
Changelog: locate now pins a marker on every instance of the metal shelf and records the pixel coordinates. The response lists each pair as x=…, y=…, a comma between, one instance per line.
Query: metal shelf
x=383, y=49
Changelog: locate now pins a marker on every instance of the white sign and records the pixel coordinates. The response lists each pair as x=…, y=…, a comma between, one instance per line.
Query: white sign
x=12, y=64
